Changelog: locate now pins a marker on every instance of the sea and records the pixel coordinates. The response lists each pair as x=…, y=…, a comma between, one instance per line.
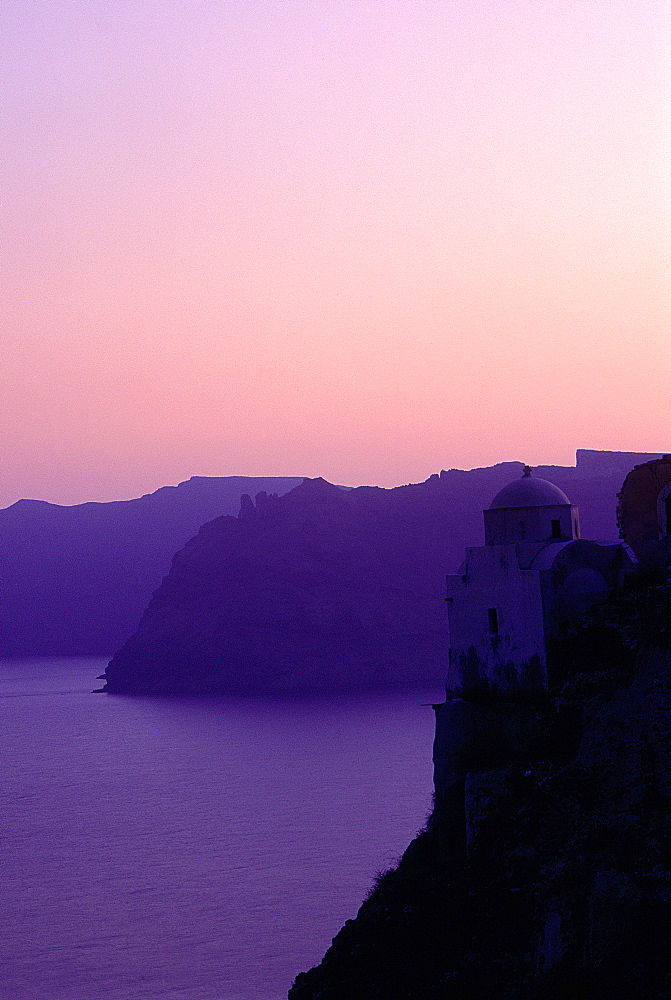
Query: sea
x=193, y=848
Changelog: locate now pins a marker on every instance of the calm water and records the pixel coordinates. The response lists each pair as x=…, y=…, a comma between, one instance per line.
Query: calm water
x=192, y=849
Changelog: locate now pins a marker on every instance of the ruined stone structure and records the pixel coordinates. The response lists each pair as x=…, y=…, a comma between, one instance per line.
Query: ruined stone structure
x=644, y=513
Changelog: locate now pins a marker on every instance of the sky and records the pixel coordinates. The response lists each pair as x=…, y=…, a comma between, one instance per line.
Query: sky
x=362, y=240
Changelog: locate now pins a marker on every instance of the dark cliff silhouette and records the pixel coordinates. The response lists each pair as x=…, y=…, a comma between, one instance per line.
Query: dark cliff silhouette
x=75, y=580
x=563, y=888
x=544, y=870
x=325, y=588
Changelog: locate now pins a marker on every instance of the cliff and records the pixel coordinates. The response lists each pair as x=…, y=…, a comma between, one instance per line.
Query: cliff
x=547, y=873
x=75, y=580
x=329, y=588
x=323, y=588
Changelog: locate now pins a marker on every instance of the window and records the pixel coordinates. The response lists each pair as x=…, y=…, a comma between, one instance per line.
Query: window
x=493, y=615
x=556, y=529
x=523, y=530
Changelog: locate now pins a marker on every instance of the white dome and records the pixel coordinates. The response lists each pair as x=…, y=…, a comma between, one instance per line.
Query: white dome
x=529, y=492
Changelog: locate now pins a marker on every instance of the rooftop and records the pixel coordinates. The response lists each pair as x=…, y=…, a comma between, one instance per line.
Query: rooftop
x=529, y=492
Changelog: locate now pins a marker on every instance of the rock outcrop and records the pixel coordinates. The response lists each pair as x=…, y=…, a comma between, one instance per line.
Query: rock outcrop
x=547, y=873
x=644, y=513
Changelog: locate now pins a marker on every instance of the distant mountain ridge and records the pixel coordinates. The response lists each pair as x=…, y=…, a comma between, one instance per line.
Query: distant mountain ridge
x=325, y=588
x=75, y=580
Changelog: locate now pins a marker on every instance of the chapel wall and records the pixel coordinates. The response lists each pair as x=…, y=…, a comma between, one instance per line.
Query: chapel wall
x=504, y=525
x=505, y=656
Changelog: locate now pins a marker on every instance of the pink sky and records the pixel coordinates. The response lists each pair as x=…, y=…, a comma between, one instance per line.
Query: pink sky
x=362, y=240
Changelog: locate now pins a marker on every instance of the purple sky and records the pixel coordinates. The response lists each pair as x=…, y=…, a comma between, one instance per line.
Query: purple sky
x=363, y=240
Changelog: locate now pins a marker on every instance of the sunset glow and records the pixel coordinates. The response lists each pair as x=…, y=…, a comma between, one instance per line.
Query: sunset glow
x=357, y=240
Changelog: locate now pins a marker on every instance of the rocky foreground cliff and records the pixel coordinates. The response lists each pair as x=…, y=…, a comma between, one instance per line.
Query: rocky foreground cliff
x=546, y=877
x=328, y=588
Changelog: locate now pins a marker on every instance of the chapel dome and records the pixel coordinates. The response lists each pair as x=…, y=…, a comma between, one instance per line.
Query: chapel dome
x=529, y=492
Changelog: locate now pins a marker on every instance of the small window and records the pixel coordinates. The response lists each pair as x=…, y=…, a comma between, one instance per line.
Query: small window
x=556, y=529
x=493, y=615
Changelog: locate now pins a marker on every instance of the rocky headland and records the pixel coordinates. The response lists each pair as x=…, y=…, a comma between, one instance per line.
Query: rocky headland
x=321, y=588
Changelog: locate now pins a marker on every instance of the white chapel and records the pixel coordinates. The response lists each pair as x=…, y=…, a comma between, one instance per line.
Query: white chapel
x=511, y=595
